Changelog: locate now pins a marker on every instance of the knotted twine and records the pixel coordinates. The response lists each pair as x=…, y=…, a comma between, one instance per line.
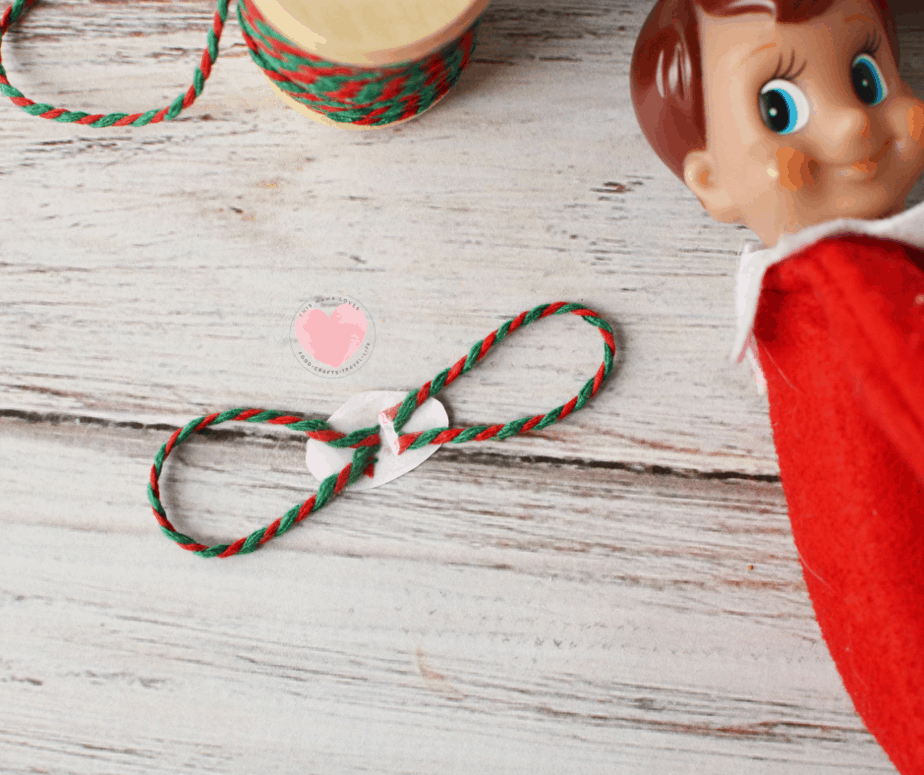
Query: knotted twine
x=366, y=441
x=343, y=93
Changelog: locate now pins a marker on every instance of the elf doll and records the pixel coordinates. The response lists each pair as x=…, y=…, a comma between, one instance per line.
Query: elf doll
x=790, y=116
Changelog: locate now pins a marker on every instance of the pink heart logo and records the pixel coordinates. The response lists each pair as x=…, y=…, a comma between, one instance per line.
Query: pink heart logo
x=331, y=340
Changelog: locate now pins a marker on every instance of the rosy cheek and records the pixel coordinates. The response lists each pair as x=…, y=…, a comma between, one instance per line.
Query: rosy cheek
x=916, y=123
x=797, y=171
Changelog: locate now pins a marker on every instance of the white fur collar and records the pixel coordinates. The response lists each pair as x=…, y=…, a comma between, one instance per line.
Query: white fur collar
x=754, y=260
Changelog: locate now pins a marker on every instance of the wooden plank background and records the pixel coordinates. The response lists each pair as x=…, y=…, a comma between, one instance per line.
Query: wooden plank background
x=616, y=594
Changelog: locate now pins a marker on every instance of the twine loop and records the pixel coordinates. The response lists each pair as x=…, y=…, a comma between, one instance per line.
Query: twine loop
x=100, y=120
x=366, y=441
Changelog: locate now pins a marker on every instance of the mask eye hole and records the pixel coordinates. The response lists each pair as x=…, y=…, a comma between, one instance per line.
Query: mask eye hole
x=783, y=106
x=868, y=82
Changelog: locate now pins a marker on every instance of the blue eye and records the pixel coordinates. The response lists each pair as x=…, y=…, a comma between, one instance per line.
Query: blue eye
x=783, y=106
x=868, y=82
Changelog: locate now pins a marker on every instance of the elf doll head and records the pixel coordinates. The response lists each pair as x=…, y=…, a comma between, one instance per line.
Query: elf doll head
x=780, y=114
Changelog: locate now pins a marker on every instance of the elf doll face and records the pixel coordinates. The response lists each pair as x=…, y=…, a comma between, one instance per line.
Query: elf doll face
x=805, y=122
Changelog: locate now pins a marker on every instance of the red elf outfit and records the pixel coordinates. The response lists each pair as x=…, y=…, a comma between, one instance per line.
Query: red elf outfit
x=835, y=316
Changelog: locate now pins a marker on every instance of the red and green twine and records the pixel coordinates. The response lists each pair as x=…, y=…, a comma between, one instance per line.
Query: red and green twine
x=343, y=93
x=99, y=120
x=366, y=442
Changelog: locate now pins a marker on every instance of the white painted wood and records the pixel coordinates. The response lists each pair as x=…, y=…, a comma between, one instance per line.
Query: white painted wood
x=186, y=229
x=576, y=600
x=477, y=615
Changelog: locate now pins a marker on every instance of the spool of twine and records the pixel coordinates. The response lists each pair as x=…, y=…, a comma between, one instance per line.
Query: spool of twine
x=349, y=63
x=361, y=63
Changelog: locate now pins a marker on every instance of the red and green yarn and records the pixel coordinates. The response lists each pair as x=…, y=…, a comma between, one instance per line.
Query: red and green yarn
x=348, y=94
x=343, y=93
x=366, y=441
x=366, y=444
x=100, y=120
x=477, y=352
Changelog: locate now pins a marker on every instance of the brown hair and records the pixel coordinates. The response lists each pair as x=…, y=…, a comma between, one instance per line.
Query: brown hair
x=667, y=81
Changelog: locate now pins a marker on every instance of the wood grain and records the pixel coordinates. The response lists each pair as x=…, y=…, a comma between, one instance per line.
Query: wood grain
x=576, y=600
x=549, y=203
x=628, y=622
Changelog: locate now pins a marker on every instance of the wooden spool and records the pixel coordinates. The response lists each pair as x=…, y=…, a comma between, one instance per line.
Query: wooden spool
x=368, y=33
